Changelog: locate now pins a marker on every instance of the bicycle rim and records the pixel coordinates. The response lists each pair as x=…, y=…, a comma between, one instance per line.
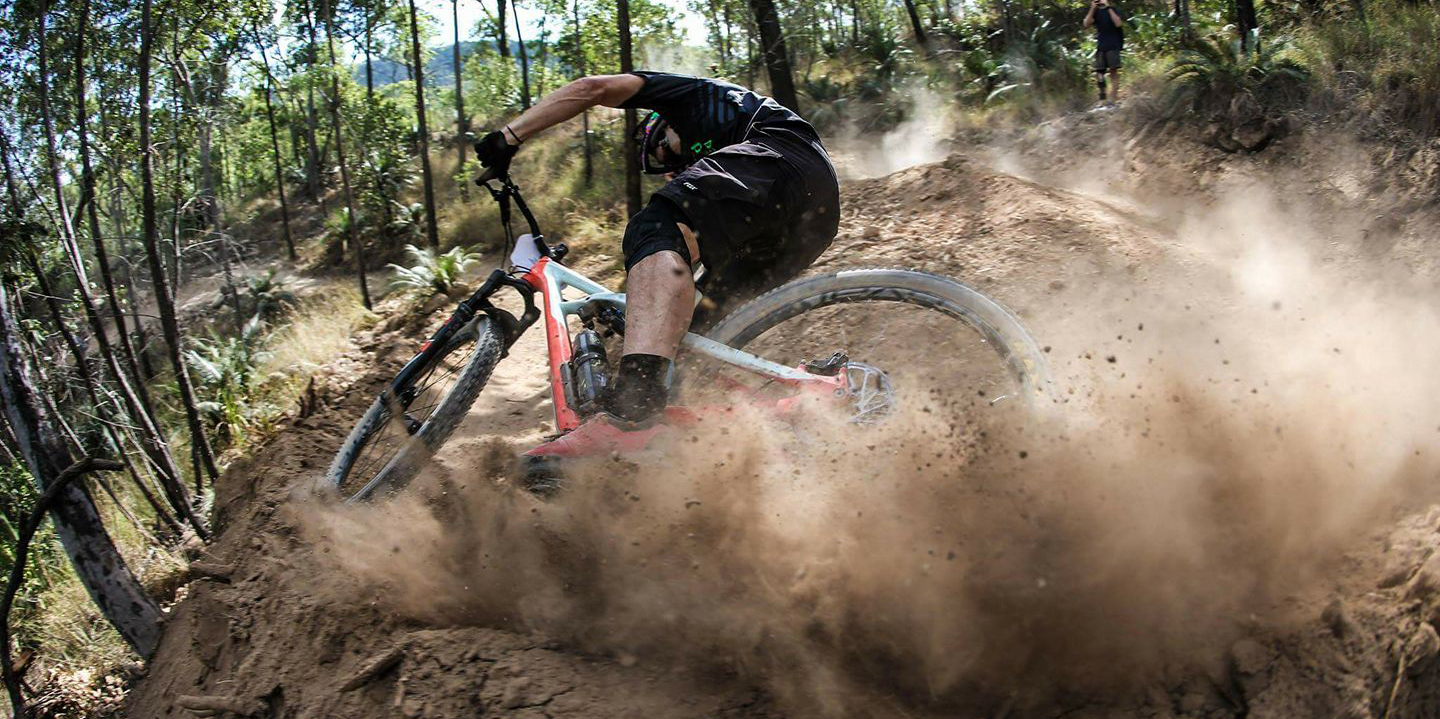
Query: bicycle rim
x=395, y=436
x=910, y=339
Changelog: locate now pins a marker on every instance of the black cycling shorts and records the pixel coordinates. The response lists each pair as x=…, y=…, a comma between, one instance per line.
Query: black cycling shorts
x=762, y=211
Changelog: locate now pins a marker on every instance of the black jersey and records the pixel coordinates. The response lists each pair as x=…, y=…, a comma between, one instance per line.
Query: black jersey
x=1108, y=35
x=711, y=114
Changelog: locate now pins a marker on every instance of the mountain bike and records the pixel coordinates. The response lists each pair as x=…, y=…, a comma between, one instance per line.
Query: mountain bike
x=852, y=339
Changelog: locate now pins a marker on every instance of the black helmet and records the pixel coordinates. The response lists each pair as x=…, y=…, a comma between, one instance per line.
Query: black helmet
x=656, y=156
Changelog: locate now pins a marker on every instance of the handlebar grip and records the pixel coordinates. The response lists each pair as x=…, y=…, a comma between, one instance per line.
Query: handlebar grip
x=490, y=173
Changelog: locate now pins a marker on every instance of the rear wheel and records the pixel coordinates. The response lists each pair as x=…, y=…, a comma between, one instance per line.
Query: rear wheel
x=906, y=334
x=395, y=437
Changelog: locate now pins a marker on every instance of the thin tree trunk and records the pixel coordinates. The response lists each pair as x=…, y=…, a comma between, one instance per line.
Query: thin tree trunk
x=208, y=98
x=296, y=138
x=914, y=23
x=627, y=64
x=369, y=67
x=543, y=39
x=431, y=230
x=111, y=585
x=854, y=22
x=275, y=141
x=501, y=43
x=312, y=122
x=178, y=114
x=356, y=243
x=524, y=57
x=585, y=115
x=777, y=60
x=163, y=298
x=462, y=122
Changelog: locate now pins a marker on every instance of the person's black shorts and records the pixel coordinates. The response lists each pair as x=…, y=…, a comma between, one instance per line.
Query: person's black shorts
x=762, y=211
x=1107, y=60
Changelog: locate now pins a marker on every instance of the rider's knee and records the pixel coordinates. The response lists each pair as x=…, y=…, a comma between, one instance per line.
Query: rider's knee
x=656, y=228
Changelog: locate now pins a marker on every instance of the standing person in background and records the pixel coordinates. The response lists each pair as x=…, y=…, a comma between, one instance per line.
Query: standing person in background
x=1109, y=41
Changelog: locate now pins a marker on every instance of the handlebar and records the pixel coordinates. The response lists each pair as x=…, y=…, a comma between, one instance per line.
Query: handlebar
x=503, y=195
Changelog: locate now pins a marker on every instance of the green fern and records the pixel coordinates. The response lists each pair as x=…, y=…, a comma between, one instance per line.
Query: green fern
x=268, y=295
x=1209, y=74
x=435, y=273
x=224, y=373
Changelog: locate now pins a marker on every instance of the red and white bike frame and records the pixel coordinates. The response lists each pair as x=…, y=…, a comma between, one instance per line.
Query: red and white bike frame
x=552, y=280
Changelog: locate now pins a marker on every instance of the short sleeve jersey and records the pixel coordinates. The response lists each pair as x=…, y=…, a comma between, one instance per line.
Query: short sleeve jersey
x=1108, y=35
x=711, y=114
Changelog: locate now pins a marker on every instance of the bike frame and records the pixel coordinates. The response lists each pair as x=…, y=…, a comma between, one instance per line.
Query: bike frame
x=550, y=280
x=543, y=274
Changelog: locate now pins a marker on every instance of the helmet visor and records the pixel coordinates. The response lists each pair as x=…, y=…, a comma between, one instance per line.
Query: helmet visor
x=652, y=143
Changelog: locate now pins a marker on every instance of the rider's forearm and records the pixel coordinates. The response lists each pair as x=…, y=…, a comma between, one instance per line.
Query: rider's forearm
x=1115, y=17
x=570, y=100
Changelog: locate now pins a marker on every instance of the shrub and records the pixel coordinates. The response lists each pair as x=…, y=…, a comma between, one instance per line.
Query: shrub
x=268, y=295
x=225, y=372
x=1239, y=93
x=436, y=273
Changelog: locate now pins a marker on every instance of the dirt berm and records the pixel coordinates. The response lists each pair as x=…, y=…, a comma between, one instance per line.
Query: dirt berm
x=1225, y=514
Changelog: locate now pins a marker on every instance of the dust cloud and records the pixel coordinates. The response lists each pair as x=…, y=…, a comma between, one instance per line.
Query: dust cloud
x=1219, y=433
x=922, y=137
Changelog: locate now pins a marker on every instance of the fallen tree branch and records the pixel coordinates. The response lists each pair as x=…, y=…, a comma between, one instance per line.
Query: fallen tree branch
x=374, y=668
x=22, y=548
x=209, y=706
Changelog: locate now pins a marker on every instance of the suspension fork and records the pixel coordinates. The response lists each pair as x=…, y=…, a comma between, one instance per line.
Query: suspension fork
x=403, y=389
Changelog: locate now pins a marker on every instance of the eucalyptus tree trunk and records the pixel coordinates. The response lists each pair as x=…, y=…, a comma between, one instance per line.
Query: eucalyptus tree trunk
x=431, y=230
x=164, y=300
x=357, y=244
x=111, y=585
x=462, y=122
x=502, y=44
x=627, y=64
x=275, y=146
x=524, y=57
x=777, y=59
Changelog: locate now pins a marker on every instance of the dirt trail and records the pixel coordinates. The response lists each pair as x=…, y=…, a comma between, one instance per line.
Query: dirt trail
x=292, y=626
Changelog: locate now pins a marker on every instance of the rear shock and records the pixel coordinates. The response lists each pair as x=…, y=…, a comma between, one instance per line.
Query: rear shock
x=591, y=369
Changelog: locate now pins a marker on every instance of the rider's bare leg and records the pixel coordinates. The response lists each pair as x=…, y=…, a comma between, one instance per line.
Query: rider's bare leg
x=659, y=304
x=659, y=301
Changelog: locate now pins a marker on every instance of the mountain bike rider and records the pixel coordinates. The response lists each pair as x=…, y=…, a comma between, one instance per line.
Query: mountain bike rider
x=752, y=197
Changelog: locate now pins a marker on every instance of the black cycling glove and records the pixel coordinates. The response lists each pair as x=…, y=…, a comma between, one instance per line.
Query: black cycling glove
x=494, y=154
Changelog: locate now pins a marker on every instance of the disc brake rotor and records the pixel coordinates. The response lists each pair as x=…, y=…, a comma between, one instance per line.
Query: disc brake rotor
x=871, y=394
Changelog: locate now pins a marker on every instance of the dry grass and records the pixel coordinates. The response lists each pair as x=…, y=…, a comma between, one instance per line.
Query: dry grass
x=321, y=329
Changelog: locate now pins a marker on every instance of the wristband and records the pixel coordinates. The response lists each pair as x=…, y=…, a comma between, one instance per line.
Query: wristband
x=518, y=141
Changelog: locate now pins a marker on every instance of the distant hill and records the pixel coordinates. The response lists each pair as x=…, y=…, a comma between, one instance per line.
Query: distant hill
x=439, y=71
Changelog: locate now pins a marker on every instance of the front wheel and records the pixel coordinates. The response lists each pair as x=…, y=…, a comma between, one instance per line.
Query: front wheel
x=901, y=330
x=397, y=434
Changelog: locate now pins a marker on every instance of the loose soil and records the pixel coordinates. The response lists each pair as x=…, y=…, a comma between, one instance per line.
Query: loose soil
x=1157, y=558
